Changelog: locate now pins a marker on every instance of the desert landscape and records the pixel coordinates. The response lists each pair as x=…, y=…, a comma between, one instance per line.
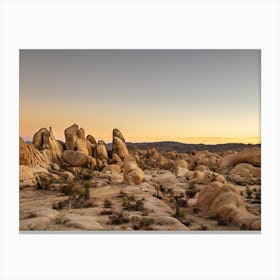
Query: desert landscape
x=139, y=140
x=83, y=184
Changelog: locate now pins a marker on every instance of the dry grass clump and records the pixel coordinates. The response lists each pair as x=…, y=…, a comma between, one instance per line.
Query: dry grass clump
x=107, y=203
x=129, y=205
x=78, y=197
x=44, y=183
x=118, y=218
x=142, y=223
x=106, y=212
x=60, y=220
x=68, y=189
x=249, y=192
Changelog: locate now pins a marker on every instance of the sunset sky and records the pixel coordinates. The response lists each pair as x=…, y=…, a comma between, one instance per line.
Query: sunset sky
x=190, y=96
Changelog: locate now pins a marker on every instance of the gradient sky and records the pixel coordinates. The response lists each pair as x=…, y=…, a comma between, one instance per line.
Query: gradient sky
x=191, y=96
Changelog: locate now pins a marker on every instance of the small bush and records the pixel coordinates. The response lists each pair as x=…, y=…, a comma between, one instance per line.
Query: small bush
x=68, y=189
x=61, y=220
x=107, y=203
x=128, y=205
x=122, y=194
x=88, y=184
x=142, y=223
x=249, y=192
x=190, y=193
x=106, y=212
x=179, y=213
x=118, y=218
x=44, y=183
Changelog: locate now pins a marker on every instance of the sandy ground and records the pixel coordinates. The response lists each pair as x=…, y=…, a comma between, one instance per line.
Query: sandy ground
x=156, y=210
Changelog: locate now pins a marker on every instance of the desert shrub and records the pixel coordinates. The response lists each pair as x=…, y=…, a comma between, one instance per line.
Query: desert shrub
x=87, y=184
x=137, y=205
x=44, y=183
x=190, y=193
x=180, y=200
x=122, y=194
x=60, y=220
x=68, y=188
x=85, y=175
x=83, y=192
x=106, y=212
x=118, y=218
x=179, y=212
x=249, y=192
x=107, y=203
x=78, y=197
x=170, y=191
x=142, y=223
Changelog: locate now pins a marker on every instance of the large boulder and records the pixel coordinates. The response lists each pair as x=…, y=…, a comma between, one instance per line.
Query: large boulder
x=117, y=160
x=246, y=169
x=82, y=144
x=226, y=163
x=112, y=168
x=210, y=177
x=92, y=145
x=198, y=177
x=224, y=202
x=102, y=152
x=249, y=155
x=29, y=176
x=45, y=141
x=202, y=168
x=41, y=139
x=119, y=148
x=71, y=136
x=132, y=172
x=75, y=158
x=30, y=155
x=117, y=133
x=76, y=140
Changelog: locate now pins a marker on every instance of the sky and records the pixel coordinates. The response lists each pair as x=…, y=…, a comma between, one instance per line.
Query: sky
x=189, y=96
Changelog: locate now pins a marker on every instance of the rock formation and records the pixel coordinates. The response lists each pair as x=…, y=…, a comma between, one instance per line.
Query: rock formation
x=75, y=158
x=30, y=155
x=132, y=172
x=102, y=152
x=45, y=141
x=224, y=202
x=71, y=136
x=118, y=146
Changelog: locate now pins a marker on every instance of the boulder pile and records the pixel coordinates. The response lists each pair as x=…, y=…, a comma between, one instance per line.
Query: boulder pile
x=78, y=151
x=224, y=202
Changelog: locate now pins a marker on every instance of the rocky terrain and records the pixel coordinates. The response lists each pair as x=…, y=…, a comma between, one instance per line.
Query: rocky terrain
x=81, y=184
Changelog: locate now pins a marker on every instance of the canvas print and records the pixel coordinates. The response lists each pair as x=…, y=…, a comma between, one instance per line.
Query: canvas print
x=139, y=140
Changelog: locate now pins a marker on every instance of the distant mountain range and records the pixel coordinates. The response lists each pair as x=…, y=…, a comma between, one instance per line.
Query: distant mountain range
x=169, y=146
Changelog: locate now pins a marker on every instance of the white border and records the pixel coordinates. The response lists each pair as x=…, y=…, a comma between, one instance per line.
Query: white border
x=155, y=24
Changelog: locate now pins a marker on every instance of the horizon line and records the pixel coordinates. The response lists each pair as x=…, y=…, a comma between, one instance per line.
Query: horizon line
x=196, y=140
